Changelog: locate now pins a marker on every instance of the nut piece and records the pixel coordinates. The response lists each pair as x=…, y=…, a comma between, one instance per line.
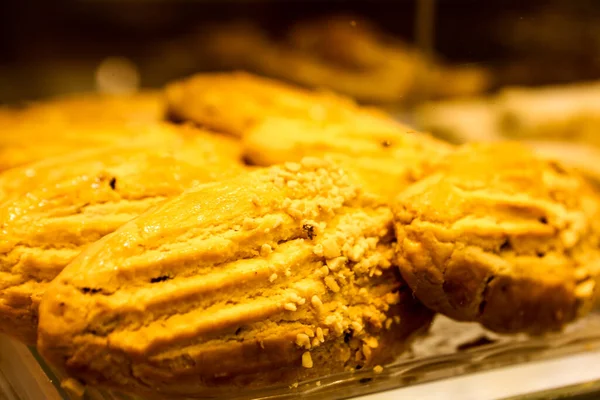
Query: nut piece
x=215, y=314
x=502, y=238
x=66, y=203
x=307, y=361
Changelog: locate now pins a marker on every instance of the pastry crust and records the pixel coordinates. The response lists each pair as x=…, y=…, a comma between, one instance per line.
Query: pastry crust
x=278, y=276
x=236, y=102
x=187, y=141
x=66, y=124
x=502, y=238
x=386, y=156
x=57, y=207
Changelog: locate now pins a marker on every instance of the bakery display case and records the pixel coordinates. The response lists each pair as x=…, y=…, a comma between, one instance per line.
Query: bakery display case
x=273, y=200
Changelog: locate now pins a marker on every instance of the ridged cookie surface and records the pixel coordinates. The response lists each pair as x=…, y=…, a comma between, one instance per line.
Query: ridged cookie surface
x=60, y=206
x=236, y=102
x=61, y=125
x=187, y=141
x=387, y=157
x=273, y=277
x=502, y=238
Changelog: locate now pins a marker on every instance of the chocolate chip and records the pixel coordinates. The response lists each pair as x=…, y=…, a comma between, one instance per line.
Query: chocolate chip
x=113, y=183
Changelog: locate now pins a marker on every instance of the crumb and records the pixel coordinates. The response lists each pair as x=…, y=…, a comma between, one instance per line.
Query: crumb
x=272, y=278
x=378, y=369
x=290, y=307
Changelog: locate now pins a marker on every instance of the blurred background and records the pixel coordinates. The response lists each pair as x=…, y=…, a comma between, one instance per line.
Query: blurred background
x=463, y=70
x=81, y=45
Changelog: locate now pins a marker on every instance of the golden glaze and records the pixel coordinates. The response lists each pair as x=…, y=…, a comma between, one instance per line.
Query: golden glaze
x=236, y=102
x=57, y=207
x=61, y=125
x=384, y=155
x=502, y=238
x=279, y=275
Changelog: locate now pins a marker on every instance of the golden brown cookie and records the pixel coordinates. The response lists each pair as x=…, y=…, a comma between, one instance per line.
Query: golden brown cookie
x=61, y=205
x=387, y=156
x=185, y=139
x=236, y=102
x=65, y=124
x=279, y=275
x=502, y=238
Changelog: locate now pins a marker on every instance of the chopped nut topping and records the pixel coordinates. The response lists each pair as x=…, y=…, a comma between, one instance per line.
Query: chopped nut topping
x=332, y=284
x=317, y=303
x=302, y=340
x=265, y=250
x=307, y=361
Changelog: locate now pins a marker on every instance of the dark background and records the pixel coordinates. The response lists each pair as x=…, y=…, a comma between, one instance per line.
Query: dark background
x=49, y=47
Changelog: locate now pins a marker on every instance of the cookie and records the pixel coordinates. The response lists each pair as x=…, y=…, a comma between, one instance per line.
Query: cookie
x=187, y=140
x=565, y=112
x=62, y=125
x=385, y=155
x=236, y=102
x=502, y=238
x=277, y=276
x=56, y=208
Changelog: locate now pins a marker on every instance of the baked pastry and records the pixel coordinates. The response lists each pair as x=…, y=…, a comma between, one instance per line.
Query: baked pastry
x=188, y=142
x=502, y=238
x=343, y=53
x=62, y=205
x=279, y=275
x=386, y=157
x=236, y=102
x=564, y=112
x=61, y=125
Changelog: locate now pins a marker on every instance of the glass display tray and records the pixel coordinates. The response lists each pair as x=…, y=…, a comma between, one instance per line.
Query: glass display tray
x=451, y=349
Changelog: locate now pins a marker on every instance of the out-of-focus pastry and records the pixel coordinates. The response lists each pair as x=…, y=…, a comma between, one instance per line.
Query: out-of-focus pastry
x=280, y=123
x=278, y=276
x=565, y=112
x=54, y=209
x=386, y=160
x=558, y=122
x=61, y=125
x=346, y=54
x=236, y=102
x=502, y=238
x=461, y=120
